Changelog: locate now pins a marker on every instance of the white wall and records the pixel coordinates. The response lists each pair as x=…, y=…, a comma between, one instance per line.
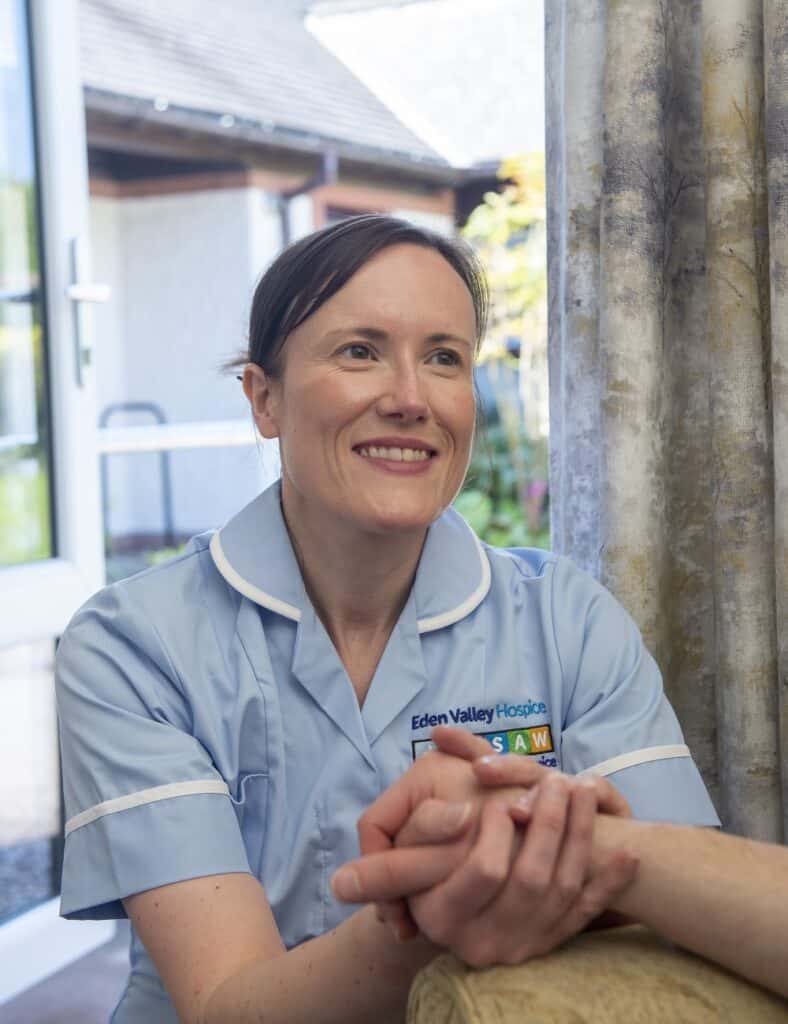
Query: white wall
x=439, y=222
x=182, y=270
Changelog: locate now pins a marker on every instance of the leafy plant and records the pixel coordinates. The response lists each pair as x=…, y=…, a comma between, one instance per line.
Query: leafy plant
x=504, y=497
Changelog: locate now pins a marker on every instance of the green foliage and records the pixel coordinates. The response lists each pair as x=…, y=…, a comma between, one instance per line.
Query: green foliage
x=508, y=232
x=24, y=512
x=490, y=499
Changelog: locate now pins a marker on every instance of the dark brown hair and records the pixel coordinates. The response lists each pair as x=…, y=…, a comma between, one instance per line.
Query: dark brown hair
x=307, y=273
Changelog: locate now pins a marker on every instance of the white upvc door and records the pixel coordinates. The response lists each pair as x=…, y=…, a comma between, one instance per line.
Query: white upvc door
x=51, y=552
x=37, y=597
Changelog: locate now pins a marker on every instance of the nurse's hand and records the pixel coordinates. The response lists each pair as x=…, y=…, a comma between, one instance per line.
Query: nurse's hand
x=419, y=798
x=494, y=770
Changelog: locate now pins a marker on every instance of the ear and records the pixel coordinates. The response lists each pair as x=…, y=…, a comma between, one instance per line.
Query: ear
x=263, y=393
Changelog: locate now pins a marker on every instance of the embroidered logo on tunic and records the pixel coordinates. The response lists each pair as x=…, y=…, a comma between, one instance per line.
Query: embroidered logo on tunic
x=538, y=739
x=483, y=715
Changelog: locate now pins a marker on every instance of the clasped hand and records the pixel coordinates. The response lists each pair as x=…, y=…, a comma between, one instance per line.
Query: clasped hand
x=490, y=857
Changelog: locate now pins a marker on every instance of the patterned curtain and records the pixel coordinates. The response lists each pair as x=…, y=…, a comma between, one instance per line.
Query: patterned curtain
x=667, y=169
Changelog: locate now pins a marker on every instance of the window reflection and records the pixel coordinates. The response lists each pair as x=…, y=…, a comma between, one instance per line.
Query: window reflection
x=25, y=505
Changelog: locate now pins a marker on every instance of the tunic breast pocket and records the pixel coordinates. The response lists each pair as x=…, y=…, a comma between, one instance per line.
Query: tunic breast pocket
x=250, y=801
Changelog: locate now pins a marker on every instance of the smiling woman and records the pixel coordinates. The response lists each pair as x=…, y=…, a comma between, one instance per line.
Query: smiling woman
x=373, y=404
x=227, y=717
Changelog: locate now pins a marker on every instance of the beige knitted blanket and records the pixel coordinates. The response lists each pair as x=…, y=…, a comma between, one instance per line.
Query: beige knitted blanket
x=620, y=976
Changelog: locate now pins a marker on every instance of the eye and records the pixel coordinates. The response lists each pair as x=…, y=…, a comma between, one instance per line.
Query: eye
x=357, y=350
x=446, y=357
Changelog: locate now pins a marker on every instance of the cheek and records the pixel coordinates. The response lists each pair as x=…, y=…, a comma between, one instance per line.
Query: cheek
x=464, y=419
x=315, y=413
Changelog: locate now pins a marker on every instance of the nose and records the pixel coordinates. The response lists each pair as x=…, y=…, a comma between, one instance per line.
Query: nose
x=404, y=397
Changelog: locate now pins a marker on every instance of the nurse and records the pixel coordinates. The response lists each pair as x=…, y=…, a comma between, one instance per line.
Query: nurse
x=228, y=716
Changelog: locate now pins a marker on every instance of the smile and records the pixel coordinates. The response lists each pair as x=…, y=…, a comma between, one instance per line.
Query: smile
x=395, y=454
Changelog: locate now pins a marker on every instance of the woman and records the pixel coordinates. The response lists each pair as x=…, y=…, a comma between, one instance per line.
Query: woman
x=226, y=717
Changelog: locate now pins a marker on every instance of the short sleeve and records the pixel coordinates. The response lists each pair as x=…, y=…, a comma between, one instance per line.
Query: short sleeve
x=617, y=721
x=144, y=804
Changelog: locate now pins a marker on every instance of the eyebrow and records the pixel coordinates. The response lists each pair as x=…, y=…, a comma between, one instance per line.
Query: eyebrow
x=376, y=334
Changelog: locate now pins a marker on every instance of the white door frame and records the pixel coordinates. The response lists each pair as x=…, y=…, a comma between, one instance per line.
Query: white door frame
x=37, y=600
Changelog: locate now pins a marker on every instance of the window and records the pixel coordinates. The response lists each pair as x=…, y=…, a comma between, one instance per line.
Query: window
x=26, y=520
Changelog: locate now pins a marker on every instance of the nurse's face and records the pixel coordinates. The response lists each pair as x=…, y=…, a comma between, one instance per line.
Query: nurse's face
x=375, y=407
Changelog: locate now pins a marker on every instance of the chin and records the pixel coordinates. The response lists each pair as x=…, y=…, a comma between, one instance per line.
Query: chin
x=399, y=520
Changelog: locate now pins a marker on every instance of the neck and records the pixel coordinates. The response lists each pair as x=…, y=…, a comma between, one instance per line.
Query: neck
x=358, y=581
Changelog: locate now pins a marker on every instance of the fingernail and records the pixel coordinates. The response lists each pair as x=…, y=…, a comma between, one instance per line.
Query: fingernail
x=488, y=759
x=346, y=886
x=526, y=800
x=455, y=815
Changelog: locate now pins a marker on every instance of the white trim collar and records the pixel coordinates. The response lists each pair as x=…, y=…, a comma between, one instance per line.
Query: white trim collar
x=254, y=555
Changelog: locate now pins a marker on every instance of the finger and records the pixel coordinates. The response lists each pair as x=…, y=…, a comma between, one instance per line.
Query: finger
x=537, y=860
x=394, y=874
x=435, y=821
x=509, y=770
x=575, y=853
x=609, y=799
x=480, y=877
x=459, y=742
x=520, y=812
x=383, y=819
x=599, y=894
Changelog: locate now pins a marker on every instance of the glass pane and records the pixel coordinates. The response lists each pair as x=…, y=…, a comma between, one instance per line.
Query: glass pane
x=30, y=804
x=25, y=509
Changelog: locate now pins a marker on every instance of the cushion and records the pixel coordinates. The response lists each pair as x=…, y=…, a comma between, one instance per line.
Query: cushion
x=620, y=976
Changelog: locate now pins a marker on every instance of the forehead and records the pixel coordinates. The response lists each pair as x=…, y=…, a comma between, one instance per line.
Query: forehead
x=403, y=287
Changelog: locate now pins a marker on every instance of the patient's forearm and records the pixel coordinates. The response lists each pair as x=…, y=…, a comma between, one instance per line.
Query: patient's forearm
x=721, y=896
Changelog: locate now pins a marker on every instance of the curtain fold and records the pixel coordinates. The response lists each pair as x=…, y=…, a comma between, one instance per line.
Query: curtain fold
x=667, y=170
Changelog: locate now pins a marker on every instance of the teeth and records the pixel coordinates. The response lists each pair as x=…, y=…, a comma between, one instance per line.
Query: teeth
x=395, y=454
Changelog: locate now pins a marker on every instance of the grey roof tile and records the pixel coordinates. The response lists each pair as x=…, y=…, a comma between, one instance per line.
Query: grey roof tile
x=253, y=59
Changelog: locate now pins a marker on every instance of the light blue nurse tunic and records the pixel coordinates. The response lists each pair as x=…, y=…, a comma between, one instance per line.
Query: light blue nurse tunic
x=208, y=725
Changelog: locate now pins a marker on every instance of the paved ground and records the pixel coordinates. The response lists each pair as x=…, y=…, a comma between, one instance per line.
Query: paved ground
x=85, y=992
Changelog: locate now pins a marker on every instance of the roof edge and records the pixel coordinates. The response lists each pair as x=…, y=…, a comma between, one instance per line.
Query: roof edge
x=266, y=134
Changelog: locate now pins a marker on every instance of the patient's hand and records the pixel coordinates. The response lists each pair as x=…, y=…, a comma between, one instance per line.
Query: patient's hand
x=491, y=892
x=521, y=891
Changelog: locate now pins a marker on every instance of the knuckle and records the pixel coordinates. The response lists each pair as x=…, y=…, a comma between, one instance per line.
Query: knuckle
x=568, y=889
x=387, y=878
x=590, y=904
x=532, y=881
x=487, y=871
x=553, y=818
